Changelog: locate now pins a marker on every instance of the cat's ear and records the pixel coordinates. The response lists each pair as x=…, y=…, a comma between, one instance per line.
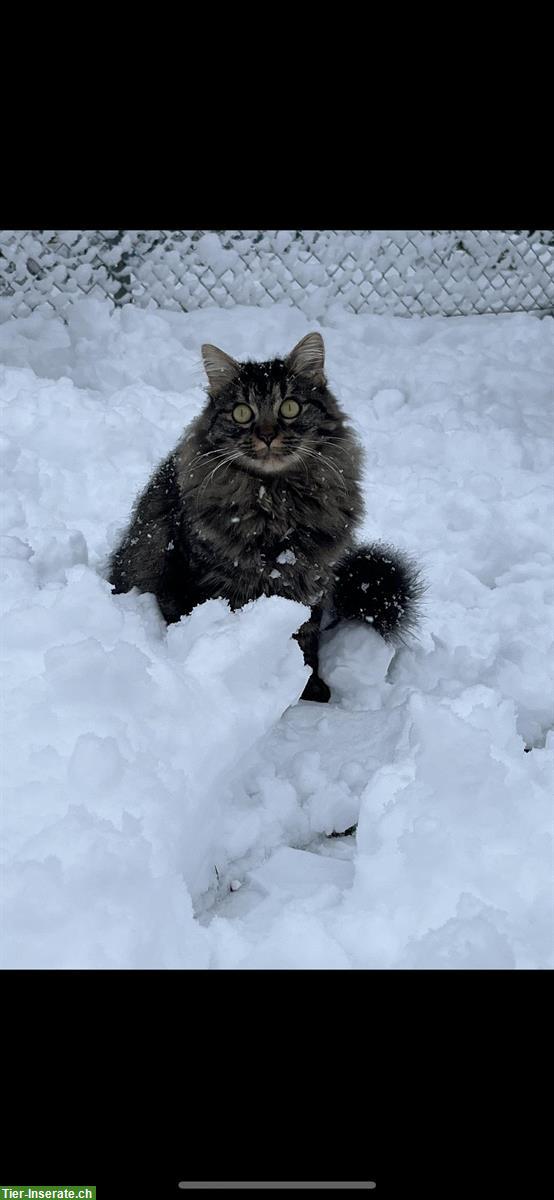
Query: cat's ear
x=308, y=358
x=221, y=369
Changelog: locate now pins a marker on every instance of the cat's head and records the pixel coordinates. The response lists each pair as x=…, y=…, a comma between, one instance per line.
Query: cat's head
x=271, y=416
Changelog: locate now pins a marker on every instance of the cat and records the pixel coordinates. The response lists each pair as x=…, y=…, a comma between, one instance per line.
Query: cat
x=262, y=496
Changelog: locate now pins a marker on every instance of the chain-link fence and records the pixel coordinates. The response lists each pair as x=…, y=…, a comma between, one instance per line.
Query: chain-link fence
x=402, y=272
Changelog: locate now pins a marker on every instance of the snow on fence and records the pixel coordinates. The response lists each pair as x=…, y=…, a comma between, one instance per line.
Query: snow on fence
x=404, y=272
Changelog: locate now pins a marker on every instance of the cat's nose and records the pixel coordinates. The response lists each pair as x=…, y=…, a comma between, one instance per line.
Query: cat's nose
x=266, y=435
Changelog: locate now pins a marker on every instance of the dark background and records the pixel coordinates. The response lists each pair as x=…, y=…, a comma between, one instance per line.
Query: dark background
x=426, y=1082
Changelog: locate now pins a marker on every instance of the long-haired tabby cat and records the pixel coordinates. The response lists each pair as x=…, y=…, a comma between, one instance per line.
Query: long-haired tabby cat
x=260, y=497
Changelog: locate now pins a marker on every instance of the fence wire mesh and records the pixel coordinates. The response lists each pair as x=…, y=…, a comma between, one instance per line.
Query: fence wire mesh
x=401, y=272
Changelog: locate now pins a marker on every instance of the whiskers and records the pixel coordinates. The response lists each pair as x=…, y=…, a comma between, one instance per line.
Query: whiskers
x=322, y=458
x=232, y=457
x=206, y=454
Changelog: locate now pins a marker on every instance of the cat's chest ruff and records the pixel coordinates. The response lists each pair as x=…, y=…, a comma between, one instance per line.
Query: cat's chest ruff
x=267, y=515
x=255, y=524
x=265, y=500
x=254, y=544
x=279, y=556
x=268, y=500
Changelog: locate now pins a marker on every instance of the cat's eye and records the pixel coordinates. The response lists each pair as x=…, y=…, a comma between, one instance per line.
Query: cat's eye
x=242, y=413
x=289, y=408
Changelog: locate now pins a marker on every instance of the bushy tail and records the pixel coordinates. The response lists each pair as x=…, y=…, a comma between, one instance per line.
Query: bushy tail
x=380, y=585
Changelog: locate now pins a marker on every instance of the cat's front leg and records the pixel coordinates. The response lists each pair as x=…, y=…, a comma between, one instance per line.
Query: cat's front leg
x=308, y=640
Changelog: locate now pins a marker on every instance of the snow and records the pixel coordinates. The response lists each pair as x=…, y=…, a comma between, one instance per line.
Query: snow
x=167, y=799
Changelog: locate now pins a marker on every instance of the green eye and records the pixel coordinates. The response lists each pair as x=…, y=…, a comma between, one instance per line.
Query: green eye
x=289, y=408
x=243, y=414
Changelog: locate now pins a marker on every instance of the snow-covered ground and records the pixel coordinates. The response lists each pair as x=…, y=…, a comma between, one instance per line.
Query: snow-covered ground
x=167, y=800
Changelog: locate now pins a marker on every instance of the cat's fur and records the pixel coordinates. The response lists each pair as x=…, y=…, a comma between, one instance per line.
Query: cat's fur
x=266, y=507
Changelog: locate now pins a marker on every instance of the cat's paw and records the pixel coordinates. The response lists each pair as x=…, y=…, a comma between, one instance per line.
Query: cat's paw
x=316, y=689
